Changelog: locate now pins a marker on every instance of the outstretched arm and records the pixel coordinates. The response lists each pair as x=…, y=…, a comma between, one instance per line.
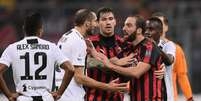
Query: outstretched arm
x=135, y=72
x=80, y=78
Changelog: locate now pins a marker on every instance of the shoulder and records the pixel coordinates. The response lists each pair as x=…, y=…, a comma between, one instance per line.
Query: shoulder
x=170, y=43
x=179, y=49
x=69, y=37
x=43, y=41
x=13, y=45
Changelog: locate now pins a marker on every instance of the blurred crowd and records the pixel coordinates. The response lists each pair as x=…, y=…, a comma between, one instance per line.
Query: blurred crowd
x=184, y=17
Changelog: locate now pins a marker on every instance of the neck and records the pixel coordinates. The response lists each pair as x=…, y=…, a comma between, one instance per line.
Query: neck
x=36, y=35
x=107, y=35
x=138, y=39
x=81, y=30
x=163, y=35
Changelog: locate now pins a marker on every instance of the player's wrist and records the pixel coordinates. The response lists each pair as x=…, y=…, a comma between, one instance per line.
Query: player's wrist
x=11, y=99
x=13, y=96
x=56, y=95
x=59, y=92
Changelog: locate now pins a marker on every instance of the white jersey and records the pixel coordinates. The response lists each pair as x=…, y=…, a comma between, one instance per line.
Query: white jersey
x=33, y=60
x=73, y=46
x=169, y=48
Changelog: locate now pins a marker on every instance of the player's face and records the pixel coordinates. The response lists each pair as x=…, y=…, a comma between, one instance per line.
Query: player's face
x=152, y=31
x=129, y=26
x=107, y=23
x=92, y=24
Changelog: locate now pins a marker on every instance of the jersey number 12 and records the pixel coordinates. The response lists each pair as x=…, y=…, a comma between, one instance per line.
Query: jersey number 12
x=36, y=61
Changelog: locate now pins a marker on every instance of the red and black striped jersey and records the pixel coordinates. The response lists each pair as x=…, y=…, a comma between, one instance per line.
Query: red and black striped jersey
x=147, y=87
x=111, y=47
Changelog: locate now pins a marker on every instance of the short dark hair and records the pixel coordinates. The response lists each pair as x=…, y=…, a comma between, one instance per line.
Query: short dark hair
x=157, y=22
x=140, y=23
x=103, y=10
x=160, y=14
x=83, y=15
x=32, y=23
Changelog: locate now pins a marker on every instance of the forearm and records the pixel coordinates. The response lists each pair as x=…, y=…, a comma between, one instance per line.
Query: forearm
x=4, y=87
x=69, y=73
x=89, y=82
x=92, y=62
x=115, y=61
x=129, y=71
x=185, y=85
x=66, y=80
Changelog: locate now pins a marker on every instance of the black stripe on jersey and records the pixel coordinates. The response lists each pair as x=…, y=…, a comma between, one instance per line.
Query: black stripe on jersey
x=142, y=88
x=133, y=91
x=98, y=79
x=68, y=32
x=107, y=79
x=32, y=41
x=54, y=80
x=150, y=85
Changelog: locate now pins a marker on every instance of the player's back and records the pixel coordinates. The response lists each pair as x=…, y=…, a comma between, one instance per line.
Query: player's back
x=33, y=61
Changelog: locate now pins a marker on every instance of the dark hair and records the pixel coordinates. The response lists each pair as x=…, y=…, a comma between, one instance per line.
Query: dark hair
x=32, y=23
x=160, y=14
x=157, y=23
x=103, y=10
x=83, y=15
x=140, y=23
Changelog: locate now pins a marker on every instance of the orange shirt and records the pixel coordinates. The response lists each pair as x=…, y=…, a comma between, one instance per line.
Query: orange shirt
x=180, y=74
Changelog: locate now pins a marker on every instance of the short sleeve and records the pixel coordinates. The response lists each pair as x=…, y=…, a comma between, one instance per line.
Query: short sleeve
x=170, y=48
x=59, y=56
x=74, y=50
x=78, y=55
x=6, y=57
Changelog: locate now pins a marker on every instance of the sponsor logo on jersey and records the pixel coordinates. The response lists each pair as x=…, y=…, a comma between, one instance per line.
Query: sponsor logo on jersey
x=28, y=87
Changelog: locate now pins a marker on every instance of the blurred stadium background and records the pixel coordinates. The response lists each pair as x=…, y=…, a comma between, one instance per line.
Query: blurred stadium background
x=184, y=20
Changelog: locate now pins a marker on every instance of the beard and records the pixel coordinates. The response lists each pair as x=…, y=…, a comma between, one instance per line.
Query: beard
x=131, y=37
x=91, y=31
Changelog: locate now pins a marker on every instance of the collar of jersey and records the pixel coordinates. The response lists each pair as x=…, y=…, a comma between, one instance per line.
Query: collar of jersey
x=30, y=37
x=78, y=33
